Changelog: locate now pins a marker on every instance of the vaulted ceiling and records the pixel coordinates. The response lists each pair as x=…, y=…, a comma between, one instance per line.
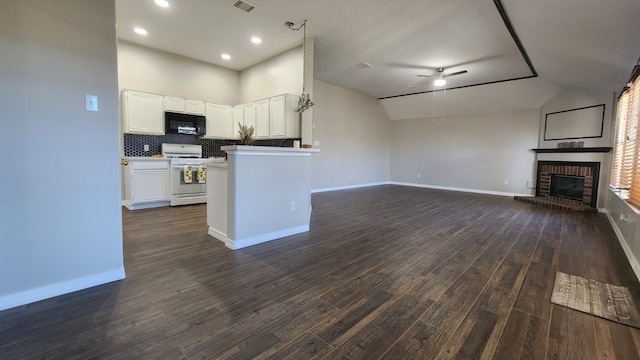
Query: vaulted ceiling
x=589, y=44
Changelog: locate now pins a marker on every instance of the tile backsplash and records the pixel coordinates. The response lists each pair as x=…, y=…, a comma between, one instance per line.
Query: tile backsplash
x=134, y=144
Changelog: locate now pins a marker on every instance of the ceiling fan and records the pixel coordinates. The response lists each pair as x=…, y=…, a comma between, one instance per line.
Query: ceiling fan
x=440, y=80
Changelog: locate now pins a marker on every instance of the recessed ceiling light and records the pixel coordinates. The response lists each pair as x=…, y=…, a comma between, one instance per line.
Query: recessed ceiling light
x=163, y=3
x=225, y=57
x=140, y=31
x=256, y=40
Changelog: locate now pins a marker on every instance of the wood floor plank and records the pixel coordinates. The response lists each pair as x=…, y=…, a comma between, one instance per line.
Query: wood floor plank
x=388, y=272
x=372, y=341
x=525, y=338
x=418, y=342
x=275, y=337
x=307, y=346
x=571, y=335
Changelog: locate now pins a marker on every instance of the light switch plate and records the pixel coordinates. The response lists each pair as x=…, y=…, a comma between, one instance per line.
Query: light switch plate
x=91, y=102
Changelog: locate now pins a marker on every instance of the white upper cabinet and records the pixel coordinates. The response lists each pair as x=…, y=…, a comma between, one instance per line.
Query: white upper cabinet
x=249, y=117
x=194, y=107
x=219, y=121
x=284, y=120
x=262, y=119
x=142, y=113
x=272, y=118
x=238, y=118
x=174, y=104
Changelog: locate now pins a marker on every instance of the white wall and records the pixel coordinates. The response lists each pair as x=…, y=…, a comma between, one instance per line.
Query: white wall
x=149, y=70
x=353, y=131
x=60, y=217
x=472, y=152
x=282, y=74
x=627, y=227
x=574, y=98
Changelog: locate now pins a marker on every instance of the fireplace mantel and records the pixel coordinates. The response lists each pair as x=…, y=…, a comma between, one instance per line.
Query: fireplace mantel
x=574, y=150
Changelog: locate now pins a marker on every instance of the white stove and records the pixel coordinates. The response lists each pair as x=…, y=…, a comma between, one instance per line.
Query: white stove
x=188, y=173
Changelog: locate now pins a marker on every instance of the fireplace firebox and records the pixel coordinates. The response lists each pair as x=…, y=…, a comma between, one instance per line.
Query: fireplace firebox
x=567, y=187
x=573, y=182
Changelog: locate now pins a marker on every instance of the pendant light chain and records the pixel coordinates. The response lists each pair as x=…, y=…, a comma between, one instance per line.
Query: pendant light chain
x=305, y=99
x=444, y=102
x=304, y=53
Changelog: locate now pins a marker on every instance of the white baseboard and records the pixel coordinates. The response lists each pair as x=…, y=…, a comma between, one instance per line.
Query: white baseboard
x=242, y=243
x=65, y=287
x=475, y=191
x=128, y=205
x=426, y=186
x=313, y=191
x=635, y=265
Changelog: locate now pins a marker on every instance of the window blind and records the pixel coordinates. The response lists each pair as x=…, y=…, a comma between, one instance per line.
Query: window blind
x=625, y=167
x=620, y=139
x=633, y=167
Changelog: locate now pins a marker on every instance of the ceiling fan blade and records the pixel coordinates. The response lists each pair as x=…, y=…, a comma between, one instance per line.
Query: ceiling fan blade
x=455, y=73
x=427, y=76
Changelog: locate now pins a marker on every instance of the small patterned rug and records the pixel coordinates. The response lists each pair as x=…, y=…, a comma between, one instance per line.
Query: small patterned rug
x=593, y=297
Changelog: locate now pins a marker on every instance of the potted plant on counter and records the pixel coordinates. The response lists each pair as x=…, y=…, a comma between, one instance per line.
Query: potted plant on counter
x=246, y=134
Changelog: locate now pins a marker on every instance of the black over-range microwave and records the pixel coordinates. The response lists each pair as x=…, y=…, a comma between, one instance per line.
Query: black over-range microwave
x=177, y=123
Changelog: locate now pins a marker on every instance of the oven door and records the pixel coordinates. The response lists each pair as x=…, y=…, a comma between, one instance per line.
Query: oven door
x=181, y=187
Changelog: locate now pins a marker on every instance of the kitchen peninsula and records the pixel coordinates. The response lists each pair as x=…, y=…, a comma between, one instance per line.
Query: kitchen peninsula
x=260, y=194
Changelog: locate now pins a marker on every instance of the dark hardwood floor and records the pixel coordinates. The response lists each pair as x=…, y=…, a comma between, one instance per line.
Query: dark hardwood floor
x=386, y=272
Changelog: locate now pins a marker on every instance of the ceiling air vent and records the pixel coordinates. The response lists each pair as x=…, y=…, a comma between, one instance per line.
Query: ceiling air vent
x=244, y=6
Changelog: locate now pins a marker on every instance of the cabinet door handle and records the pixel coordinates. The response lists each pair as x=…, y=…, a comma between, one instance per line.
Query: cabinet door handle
x=124, y=162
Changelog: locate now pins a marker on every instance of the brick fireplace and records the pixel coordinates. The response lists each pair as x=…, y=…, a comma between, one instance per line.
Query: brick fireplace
x=569, y=182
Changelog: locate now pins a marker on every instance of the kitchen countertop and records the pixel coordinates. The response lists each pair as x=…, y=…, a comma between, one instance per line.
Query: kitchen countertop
x=216, y=163
x=267, y=149
x=145, y=158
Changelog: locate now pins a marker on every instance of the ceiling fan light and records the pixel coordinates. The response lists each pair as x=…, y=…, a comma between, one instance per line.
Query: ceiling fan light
x=440, y=81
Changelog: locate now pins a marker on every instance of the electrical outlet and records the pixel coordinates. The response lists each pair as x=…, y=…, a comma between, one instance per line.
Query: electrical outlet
x=350, y=176
x=506, y=182
x=418, y=176
x=293, y=206
x=146, y=147
x=316, y=143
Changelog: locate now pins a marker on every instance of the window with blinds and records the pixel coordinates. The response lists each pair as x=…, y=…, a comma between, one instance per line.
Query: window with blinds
x=625, y=167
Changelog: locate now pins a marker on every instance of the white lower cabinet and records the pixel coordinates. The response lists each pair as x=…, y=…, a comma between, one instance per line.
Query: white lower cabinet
x=146, y=184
